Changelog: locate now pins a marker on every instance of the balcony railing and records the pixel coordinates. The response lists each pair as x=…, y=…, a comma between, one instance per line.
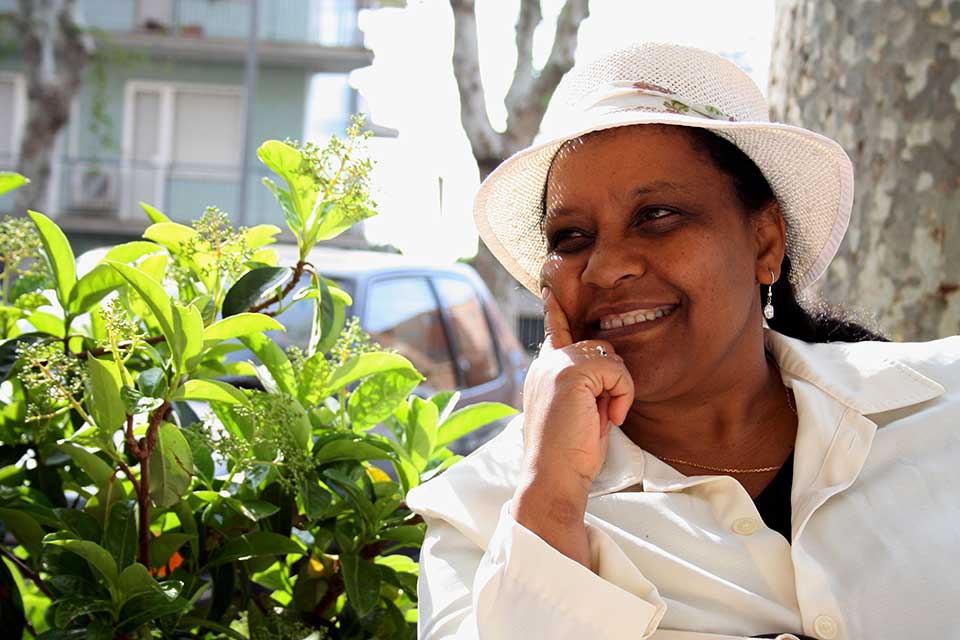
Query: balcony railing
x=330, y=23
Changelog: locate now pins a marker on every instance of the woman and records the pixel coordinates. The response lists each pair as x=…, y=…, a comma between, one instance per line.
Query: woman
x=681, y=470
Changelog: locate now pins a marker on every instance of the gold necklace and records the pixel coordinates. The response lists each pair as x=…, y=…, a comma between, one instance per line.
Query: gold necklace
x=729, y=469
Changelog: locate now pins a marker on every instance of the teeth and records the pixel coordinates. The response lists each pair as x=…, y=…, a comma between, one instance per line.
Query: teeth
x=634, y=317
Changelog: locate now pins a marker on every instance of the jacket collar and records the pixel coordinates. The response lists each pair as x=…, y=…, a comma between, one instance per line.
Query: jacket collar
x=859, y=376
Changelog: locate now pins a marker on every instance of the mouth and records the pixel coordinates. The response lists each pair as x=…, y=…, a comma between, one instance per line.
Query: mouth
x=618, y=324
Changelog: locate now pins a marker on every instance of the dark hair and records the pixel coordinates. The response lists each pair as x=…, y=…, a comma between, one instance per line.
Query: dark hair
x=822, y=323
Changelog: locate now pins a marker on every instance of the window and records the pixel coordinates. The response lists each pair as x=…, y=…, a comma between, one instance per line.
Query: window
x=476, y=350
x=179, y=135
x=402, y=313
x=12, y=107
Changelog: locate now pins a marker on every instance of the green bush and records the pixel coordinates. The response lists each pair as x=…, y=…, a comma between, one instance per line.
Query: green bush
x=124, y=515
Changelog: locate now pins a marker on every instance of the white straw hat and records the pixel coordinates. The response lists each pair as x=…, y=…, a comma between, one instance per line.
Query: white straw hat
x=810, y=174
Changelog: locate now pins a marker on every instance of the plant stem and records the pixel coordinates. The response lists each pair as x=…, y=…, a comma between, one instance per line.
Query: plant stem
x=27, y=571
x=142, y=451
x=99, y=351
x=297, y=272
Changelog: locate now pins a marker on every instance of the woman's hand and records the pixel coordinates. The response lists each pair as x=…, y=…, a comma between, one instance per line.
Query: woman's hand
x=571, y=394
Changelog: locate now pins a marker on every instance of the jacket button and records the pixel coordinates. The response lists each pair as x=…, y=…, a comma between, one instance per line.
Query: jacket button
x=825, y=627
x=745, y=526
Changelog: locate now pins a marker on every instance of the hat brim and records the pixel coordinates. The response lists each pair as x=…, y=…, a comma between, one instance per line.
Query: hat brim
x=810, y=174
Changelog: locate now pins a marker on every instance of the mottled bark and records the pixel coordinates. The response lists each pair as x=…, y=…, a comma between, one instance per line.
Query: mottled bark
x=55, y=52
x=883, y=79
x=526, y=102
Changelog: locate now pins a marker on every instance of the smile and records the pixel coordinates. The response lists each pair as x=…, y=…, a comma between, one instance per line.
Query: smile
x=636, y=316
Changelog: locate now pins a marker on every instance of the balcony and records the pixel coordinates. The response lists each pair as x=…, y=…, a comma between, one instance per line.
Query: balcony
x=321, y=35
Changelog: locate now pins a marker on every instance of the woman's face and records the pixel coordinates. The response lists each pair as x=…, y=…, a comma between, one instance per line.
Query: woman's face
x=638, y=220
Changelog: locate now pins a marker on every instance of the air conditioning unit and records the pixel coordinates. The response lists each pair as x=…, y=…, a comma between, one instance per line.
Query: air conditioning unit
x=94, y=188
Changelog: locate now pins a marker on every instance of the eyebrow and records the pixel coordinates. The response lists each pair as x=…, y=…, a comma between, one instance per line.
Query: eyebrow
x=645, y=189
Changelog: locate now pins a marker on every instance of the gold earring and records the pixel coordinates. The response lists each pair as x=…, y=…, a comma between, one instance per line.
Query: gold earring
x=768, y=309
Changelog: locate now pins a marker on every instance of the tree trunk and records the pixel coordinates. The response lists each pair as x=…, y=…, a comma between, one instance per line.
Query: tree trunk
x=883, y=79
x=55, y=53
x=526, y=102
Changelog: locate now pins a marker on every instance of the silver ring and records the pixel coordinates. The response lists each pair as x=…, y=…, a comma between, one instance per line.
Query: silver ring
x=601, y=351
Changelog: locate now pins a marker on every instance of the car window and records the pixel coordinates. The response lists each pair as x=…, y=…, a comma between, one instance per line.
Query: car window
x=474, y=340
x=402, y=313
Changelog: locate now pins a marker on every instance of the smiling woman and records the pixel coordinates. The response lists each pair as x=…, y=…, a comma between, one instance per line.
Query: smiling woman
x=699, y=455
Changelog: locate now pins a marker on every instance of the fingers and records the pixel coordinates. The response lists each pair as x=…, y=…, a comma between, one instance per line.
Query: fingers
x=556, y=329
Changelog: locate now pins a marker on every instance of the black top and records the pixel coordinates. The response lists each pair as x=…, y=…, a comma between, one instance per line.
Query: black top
x=773, y=503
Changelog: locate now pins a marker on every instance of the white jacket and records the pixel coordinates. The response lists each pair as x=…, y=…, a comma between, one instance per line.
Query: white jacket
x=876, y=524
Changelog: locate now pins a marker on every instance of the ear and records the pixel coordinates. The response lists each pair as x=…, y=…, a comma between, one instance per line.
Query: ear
x=771, y=241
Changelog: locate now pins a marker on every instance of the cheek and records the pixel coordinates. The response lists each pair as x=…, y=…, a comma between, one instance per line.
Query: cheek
x=562, y=274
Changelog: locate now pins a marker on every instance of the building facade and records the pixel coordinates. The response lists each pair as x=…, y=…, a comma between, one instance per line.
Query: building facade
x=161, y=115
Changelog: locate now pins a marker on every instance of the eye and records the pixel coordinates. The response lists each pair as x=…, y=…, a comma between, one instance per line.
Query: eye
x=566, y=240
x=655, y=213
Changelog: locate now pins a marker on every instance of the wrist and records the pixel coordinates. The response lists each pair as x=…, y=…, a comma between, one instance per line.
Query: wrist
x=550, y=502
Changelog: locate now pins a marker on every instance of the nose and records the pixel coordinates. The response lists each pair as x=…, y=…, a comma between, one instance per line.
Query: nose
x=611, y=262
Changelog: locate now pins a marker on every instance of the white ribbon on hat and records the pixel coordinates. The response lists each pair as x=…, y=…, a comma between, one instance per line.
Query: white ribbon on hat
x=631, y=95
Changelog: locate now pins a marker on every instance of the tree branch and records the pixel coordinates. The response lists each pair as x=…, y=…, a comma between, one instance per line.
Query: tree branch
x=523, y=74
x=484, y=141
x=525, y=113
x=27, y=571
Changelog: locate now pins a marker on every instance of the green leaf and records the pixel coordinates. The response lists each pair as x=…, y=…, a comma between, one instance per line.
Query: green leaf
x=210, y=391
x=408, y=534
x=375, y=398
x=155, y=215
x=137, y=403
x=11, y=604
x=171, y=466
x=24, y=528
x=98, y=470
x=151, y=605
x=241, y=324
x=152, y=382
x=365, y=364
x=135, y=580
x=80, y=523
x=339, y=217
x=275, y=360
x=362, y=581
x=107, y=406
x=349, y=447
x=120, y=538
x=260, y=235
x=340, y=302
x=288, y=163
x=251, y=287
x=421, y=431
x=131, y=251
x=323, y=313
x=59, y=255
x=69, y=609
x=93, y=287
x=165, y=545
x=286, y=207
x=153, y=295
x=8, y=182
x=171, y=235
x=96, y=556
x=188, y=328
x=465, y=420
x=47, y=323
x=315, y=498
x=255, y=545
